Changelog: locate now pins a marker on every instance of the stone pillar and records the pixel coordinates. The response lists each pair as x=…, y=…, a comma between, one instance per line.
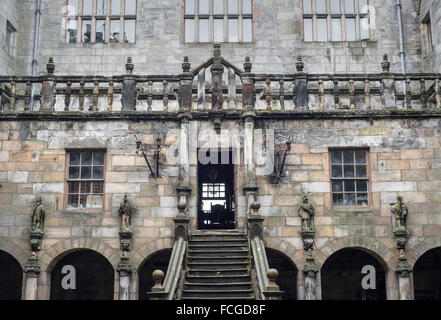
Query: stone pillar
x=387, y=85
x=248, y=150
x=310, y=271
x=217, y=70
x=129, y=92
x=301, y=97
x=32, y=270
x=185, y=86
x=248, y=98
x=184, y=148
x=125, y=270
x=47, y=97
x=403, y=271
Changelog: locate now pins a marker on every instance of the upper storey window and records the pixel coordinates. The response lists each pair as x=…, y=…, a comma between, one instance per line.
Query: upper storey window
x=427, y=32
x=10, y=39
x=335, y=20
x=218, y=20
x=101, y=21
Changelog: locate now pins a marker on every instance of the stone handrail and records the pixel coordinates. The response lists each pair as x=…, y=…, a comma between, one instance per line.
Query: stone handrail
x=218, y=85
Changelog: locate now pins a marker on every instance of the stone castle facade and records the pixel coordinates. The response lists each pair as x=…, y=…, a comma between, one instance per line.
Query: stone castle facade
x=347, y=127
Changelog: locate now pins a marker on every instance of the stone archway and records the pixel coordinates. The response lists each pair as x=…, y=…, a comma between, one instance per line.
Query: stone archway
x=343, y=276
x=11, y=277
x=287, y=279
x=427, y=275
x=156, y=261
x=82, y=274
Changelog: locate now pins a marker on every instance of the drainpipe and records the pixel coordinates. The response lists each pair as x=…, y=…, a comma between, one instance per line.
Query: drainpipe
x=402, y=52
x=35, y=49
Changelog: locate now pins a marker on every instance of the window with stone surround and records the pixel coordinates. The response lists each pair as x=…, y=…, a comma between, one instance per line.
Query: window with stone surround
x=101, y=21
x=427, y=33
x=335, y=20
x=218, y=21
x=349, y=178
x=85, y=179
x=10, y=39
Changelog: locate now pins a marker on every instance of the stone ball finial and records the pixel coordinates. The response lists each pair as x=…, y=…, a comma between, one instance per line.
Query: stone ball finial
x=186, y=64
x=182, y=206
x=300, y=65
x=247, y=65
x=50, y=66
x=255, y=206
x=272, y=274
x=158, y=276
x=129, y=65
x=385, y=65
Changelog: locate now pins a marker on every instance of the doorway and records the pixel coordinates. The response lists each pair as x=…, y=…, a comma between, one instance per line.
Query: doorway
x=216, y=191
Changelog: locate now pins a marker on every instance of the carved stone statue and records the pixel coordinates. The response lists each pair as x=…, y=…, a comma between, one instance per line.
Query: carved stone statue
x=126, y=210
x=38, y=214
x=306, y=213
x=399, y=210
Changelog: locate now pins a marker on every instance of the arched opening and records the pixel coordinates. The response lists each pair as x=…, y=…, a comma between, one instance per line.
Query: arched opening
x=427, y=276
x=353, y=274
x=82, y=275
x=157, y=261
x=11, y=277
x=287, y=279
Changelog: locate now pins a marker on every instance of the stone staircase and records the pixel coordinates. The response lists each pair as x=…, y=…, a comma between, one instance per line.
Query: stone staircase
x=218, y=266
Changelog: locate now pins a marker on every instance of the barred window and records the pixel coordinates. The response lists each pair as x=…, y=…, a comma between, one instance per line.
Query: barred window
x=335, y=20
x=101, y=21
x=218, y=21
x=349, y=178
x=85, y=179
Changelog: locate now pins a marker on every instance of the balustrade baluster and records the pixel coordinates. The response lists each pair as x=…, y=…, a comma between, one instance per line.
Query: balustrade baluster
x=408, y=94
x=95, y=95
x=67, y=96
x=423, y=94
x=321, y=94
x=13, y=95
x=336, y=94
x=27, y=95
x=110, y=93
x=150, y=96
x=367, y=94
x=351, y=94
x=282, y=94
x=438, y=93
x=81, y=96
x=231, y=88
x=201, y=89
x=268, y=94
x=165, y=94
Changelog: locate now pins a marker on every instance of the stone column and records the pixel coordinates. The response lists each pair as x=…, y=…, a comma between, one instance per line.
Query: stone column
x=125, y=270
x=32, y=270
x=310, y=271
x=301, y=97
x=403, y=271
x=387, y=85
x=128, y=91
x=47, y=96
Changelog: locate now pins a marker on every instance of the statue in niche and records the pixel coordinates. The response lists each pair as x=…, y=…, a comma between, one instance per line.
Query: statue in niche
x=38, y=214
x=400, y=211
x=126, y=210
x=306, y=213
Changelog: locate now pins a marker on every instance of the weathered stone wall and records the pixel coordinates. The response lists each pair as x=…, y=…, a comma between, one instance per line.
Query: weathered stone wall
x=8, y=12
x=403, y=161
x=278, y=26
x=432, y=60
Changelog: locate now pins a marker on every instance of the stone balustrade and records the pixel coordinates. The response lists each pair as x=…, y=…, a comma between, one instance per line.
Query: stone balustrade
x=217, y=85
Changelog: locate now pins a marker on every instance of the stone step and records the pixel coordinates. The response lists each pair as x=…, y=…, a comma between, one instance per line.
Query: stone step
x=220, y=242
x=225, y=272
x=220, y=287
x=216, y=259
x=217, y=265
x=219, y=278
x=218, y=252
x=210, y=294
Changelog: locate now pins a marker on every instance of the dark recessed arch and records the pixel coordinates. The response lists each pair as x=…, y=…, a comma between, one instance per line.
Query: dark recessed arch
x=94, y=276
x=427, y=276
x=341, y=275
x=11, y=277
x=159, y=260
x=287, y=279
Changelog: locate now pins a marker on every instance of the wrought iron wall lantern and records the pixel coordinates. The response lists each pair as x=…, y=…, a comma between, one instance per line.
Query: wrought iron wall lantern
x=141, y=149
x=279, y=163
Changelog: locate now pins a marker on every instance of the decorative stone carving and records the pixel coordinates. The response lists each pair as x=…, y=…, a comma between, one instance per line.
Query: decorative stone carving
x=310, y=276
x=37, y=226
x=126, y=210
x=47, y=99
x=32, y=270
x=272, y=290
x=306, y=213
x=400, y=211
x=403, y=271
x=129, y=93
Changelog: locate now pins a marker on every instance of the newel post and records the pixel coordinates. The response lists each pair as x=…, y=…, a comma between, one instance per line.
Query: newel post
x=129, y=92
x=301, y=97
x=387, y=85
x=185, y=86
x=47, y=96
